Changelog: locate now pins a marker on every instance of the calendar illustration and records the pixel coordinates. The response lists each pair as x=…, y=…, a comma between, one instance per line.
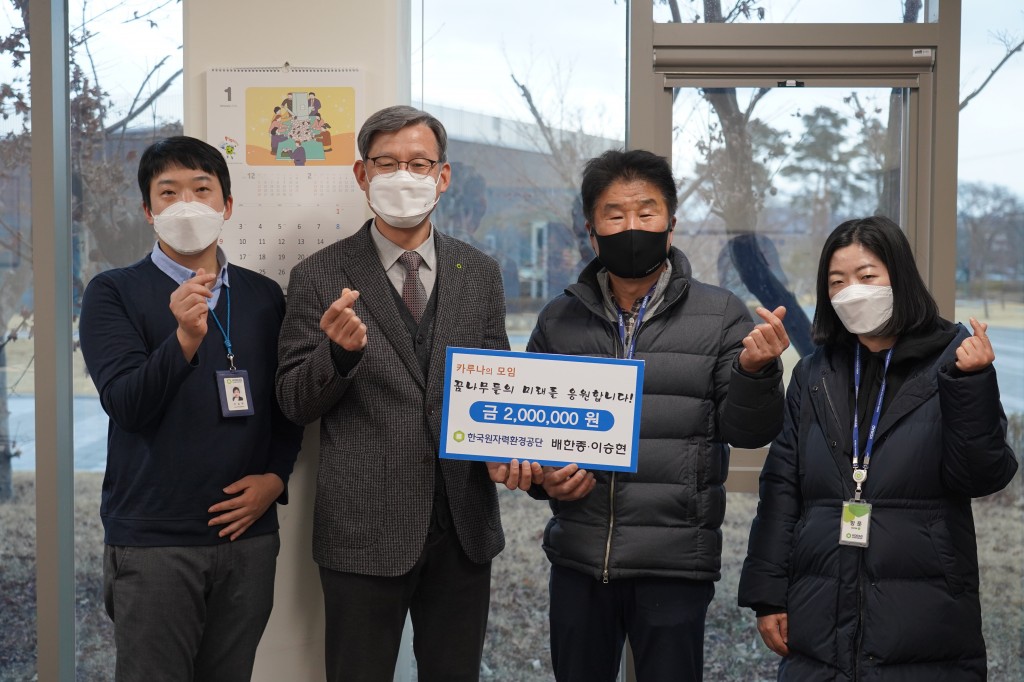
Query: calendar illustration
x=289, y=138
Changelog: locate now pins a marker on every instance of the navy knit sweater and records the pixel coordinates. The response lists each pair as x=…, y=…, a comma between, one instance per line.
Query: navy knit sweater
x=170, y=453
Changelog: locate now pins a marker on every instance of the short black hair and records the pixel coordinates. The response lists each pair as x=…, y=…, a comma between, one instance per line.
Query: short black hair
x=181, y=151
x=913, y=308
x=602, y=171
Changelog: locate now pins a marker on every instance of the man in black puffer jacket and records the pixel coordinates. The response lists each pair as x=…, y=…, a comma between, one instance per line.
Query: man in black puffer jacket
x=637, y=554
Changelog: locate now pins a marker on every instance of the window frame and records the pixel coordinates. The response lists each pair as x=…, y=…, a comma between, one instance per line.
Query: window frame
x=52, y=284
x=662, y=56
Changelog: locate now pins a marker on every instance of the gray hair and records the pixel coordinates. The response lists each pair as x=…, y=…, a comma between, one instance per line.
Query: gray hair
x=393, y=119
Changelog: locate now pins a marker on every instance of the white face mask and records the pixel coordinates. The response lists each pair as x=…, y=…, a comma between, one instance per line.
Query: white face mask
x=863, y=308
x=188, y=227
x=402, y=199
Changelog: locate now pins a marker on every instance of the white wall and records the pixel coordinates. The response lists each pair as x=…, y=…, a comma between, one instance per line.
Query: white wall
x=372, y=36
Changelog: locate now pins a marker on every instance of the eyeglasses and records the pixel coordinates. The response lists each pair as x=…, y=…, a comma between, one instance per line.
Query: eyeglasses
x=386, y=165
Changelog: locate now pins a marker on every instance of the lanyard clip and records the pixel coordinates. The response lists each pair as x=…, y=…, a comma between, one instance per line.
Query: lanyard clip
x=859, y=476
x=231, y=362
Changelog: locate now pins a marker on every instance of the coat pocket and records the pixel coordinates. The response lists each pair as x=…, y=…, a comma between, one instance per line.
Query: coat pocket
x=942, y=543
x=797, y=532
x=813, y=617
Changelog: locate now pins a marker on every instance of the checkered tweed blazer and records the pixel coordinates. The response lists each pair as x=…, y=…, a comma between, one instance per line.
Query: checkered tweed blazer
x=380, y=426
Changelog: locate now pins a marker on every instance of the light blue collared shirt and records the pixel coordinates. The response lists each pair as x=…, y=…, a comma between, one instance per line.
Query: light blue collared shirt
x=180, y=274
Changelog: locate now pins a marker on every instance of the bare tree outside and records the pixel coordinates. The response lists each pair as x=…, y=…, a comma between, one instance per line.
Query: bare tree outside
x=108, y=132
x=990, y=222
x=104, y=144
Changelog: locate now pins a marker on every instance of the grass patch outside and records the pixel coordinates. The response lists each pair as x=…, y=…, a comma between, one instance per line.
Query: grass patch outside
x=517, y=648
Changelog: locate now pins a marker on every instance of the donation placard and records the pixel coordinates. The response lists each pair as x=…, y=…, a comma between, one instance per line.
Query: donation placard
x=552, y=409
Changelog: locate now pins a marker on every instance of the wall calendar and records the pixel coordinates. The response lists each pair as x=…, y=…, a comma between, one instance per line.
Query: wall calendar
x=289, y=137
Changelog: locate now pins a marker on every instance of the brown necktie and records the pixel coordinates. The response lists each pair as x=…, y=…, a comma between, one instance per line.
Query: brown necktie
x=413, y=293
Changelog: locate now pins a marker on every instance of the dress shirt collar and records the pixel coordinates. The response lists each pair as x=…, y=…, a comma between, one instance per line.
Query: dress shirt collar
x=180, y=274
x=389, y=252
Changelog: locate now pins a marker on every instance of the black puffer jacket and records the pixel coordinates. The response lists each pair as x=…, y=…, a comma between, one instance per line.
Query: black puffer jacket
x=906, y=607
x=665, y=519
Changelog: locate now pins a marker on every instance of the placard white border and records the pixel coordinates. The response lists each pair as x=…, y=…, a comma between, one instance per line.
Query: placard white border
x=581, y=384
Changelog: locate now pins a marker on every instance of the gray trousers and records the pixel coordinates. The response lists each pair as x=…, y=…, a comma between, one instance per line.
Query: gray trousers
x=189, y=614
x=448, y=597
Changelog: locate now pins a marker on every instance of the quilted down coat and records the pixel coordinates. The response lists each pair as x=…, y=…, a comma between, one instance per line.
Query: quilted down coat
x=665, y=519
x=906, y=607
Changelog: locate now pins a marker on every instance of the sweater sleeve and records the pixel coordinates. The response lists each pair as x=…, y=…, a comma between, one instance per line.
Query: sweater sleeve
x=286, y=436
x=750, y=412
x=136, y=385
x=977, y=460
x=764, y=580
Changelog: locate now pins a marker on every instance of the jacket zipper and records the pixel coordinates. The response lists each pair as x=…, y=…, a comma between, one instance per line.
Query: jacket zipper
x=831, y=407
x=859, y=636
x=611, y=489
x=835, y=417
x=860, y=618
x=611, y=527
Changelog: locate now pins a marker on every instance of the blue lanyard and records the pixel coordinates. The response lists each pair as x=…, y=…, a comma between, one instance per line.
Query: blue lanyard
x=860, y=474
x=227, y=333
x=631, y=349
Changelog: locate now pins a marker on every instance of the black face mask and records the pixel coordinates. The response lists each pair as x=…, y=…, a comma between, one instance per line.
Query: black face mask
x=632, y=254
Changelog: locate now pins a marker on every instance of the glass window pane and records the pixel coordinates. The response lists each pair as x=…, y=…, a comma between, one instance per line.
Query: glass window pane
x=525, y=103
x=17, y=460
x=990, y=287
x=522, y=116
x=796, y=12
x=765, y=175
x=17, y=379
x=733, y=649
x=132, y=53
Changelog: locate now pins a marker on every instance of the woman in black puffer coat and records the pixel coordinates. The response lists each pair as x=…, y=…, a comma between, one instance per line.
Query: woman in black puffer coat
x=904, y=605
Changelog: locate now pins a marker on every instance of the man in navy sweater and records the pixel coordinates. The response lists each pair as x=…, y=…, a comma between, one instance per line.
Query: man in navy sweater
x=192, y=478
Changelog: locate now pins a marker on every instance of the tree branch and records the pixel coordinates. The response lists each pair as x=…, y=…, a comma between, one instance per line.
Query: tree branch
x=911, y=11
x=138, y=94
x=136, y=112
x=544, y=128
x=92, y=62
x=1010, y=51
x=683, y=195
x=138, y=17
x=108, y=10
x=761, y=92
x=673, y=6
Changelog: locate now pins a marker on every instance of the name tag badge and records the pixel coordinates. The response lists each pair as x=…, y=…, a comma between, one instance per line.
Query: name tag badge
x=235, y=396
x=856, y=521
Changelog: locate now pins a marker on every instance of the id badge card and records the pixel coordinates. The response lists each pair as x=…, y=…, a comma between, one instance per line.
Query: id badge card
x=235, y=396
x=856, y=522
